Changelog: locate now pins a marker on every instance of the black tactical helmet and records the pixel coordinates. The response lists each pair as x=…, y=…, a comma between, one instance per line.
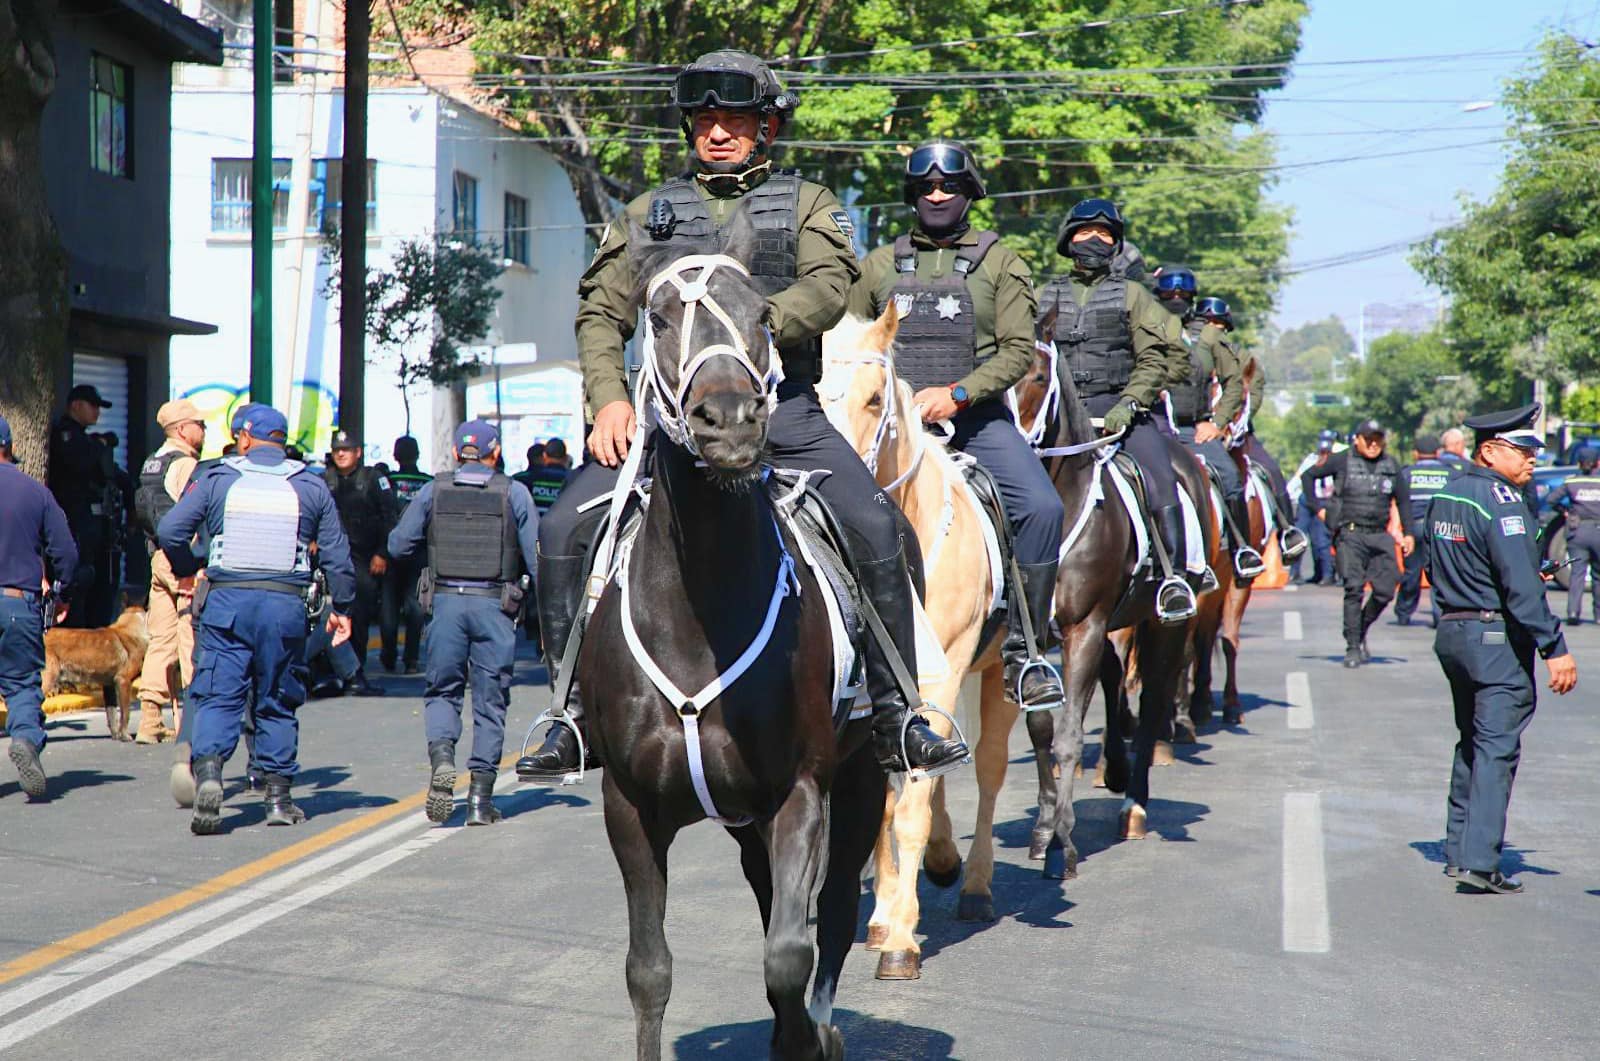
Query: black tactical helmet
x=1212, y=308
x=1175, y=280
x=732, y=80
x=1090, y=212
x=951, y=159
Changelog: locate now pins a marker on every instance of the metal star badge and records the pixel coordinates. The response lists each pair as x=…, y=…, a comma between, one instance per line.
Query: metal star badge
x=949, y=306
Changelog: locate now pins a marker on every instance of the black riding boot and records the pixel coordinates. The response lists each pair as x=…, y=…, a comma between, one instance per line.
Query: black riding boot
x=1040, y=684
x=441, y=780
x=893, y=725
x=280, y=808
x=1175, y=602
x=207, y=796
x=560, y=592
x=1247, y=559
x=480, y=803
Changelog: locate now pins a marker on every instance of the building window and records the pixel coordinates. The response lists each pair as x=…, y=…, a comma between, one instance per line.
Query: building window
x=516, y=229
x=230, y=195
x=110, y=85
x=327, y=194
x=464, y=206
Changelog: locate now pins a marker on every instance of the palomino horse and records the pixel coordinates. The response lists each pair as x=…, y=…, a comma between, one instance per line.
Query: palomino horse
x=707, y=597
x=873, y=409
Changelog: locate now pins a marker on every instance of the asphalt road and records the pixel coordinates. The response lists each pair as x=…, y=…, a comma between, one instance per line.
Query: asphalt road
x=1288, y=903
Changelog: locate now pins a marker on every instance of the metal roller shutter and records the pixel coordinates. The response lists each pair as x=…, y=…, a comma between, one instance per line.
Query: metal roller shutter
x=108, y=374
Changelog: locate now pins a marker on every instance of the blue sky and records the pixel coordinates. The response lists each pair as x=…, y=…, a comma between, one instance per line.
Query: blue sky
x=1340, y=109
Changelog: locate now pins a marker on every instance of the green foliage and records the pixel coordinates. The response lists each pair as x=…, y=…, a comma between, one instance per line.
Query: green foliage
x=1063, y=114
x=1294, y=434
x=1411, y=383
x=1307, y=354
x=1582, y=403
x=1521, y=267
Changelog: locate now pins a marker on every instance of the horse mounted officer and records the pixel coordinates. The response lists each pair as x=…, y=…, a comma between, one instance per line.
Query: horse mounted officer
x=1484, y=567
x=966, y=336
x=1115, y=341
x=260, y=513
x=732, y=108
x=1203, y=353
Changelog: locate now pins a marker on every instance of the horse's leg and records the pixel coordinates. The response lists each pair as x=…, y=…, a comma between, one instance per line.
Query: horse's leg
x=977, y=897
x=886, y=875
x=797, y=845
x=640, y=847
x=1158, y=648
x=1042, y=735
x=1205, y=641
x=942, y=860
x=1232, y=621
x=1182, y=725
x=1112, y=774
x=857, y=792
x=901, y=958
x=1080, y=650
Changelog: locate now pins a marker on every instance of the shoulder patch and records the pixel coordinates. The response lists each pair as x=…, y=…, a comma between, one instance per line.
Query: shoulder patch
x=842, y=219
x=383, y=483
x=1506, y=495
x=1510, y=525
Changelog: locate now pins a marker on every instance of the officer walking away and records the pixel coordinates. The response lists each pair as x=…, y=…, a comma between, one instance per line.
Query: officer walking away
x=260, y=512
x=1579, y=496
x=162, y=481
x=1424, y=478
x=79, y=471
x=482, y=533
x=1485, y=570
x=400, y=582
x=1453, y=449
x=367, y=510
x=1366, y=481
x=36, y=550
x=966, y=310
x=546, y=473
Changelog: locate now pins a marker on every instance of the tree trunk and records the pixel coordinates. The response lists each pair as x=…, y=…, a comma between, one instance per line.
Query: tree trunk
x=33, y=265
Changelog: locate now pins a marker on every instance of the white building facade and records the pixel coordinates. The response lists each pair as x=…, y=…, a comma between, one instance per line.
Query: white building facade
x=439, y=169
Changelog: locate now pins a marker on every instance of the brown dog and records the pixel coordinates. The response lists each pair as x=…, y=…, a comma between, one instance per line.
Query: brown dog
x=110, y=656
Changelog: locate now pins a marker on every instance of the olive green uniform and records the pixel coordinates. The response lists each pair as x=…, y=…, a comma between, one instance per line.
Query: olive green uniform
x=1149, y=326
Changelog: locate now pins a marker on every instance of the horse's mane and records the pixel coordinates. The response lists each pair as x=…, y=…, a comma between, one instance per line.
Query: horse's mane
x=847, y=336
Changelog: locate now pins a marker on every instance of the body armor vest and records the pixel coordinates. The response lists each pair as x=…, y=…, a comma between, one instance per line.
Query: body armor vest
x=1095, y=339
x=1191, y=399
x=358, y=499
x=1366, y=491
x=260, y=523
x=773, y=207
x=1424, y=479
x=938, y=339
x=1585, y=493
x=151, y=500
x=472, y=536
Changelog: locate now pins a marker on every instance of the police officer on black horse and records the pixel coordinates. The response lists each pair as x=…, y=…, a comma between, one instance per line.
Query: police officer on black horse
x=966, y=311
x=260, y=512
x=732, y=108
x=481, y=530
x=1484, y=566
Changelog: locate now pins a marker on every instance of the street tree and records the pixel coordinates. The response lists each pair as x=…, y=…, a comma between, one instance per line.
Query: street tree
x=1411, y=383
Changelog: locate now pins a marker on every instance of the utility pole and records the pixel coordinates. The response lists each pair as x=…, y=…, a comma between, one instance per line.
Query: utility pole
x=353, y=221
x=261, y=208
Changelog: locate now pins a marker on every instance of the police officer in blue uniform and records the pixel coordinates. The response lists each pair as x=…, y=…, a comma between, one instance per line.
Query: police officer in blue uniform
x=1579, y=497
x=1484, y=566
x=33, y=530
x=1424, y=479
x=482, y=533
x=259, y=513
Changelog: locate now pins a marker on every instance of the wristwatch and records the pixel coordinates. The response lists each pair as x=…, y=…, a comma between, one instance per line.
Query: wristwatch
x=958, y=394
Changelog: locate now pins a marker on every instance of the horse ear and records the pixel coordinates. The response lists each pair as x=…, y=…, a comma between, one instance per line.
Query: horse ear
x=1045, y=328
x=881, y=335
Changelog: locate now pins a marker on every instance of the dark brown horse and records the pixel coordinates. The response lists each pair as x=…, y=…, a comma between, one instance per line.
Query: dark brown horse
x=707, y=574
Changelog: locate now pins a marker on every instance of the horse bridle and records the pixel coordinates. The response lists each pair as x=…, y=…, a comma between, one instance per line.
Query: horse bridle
x=888, y=426
x=695, y=294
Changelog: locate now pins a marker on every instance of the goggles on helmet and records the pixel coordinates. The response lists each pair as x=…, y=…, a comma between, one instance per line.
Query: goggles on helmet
x=1096, y=210
x=946, y=158
x=733, y=89
x=1175, y=283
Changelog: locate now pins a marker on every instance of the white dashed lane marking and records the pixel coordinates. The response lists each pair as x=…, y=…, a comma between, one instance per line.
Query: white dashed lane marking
x=1292, y=628
x=1299, y=697
x=1305, y=880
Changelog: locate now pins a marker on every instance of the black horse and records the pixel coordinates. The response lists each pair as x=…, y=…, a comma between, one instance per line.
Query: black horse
x=708, y=567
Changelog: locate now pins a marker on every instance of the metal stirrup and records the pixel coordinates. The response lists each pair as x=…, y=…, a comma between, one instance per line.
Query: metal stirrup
x=1294, y=552
x=1036, y=659
x=1248, y=562
x=564, y=777
x=1039, y=664
x=1179, y=615
x=927, y=773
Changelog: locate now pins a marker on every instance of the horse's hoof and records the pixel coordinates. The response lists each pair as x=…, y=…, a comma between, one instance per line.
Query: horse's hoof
x=975, y=907
x=1132, y=823
x=942, y=878
x=831, y=1041
x=1183, y=732
x=1060, y=863
x=876, y=934
x=1100, y=774
x=899, y=965
x=1232, y=714
x=1200, y=710
x=1038, y=842
x=1162, y=755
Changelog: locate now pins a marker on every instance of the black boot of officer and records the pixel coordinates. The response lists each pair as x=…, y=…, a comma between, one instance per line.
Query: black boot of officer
x=1175, y=601
x=1247, y=559
x=893, y=724
x=441, y=780
x=480, y=802
x=281, y=809
x=207, y=819
x=560, y=580
x=1041, y=688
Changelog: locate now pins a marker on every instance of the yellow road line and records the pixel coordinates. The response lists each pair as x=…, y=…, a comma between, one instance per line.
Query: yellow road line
x=122, y=924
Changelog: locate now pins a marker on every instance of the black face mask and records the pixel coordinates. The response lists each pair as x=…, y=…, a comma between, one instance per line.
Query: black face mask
x=943, y=220
x=1091, y=255
x=1178, y=306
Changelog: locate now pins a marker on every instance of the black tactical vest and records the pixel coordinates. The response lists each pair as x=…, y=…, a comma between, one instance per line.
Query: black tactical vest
x=938, y=339
x=1367, y=489
x=1191, y=399
x=1424, y=479
x=359, y=499
x=472, y=536
x=1095, y=339
x=773, y=206
x=150, y=499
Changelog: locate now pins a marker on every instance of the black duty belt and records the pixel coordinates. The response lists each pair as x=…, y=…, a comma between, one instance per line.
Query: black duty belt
x=269, y=586
x=1361, y=528
x=467, y=591
x=1480, y=616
